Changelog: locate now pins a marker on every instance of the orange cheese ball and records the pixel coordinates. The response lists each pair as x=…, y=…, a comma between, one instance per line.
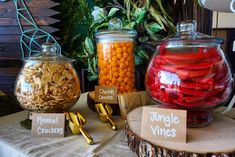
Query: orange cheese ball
x=116, y=65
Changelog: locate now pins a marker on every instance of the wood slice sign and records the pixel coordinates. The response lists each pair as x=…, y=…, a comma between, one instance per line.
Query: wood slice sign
x=215, y=140
x=163, y=124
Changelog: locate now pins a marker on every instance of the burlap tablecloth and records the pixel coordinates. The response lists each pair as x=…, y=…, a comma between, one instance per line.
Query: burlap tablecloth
x=16, y=141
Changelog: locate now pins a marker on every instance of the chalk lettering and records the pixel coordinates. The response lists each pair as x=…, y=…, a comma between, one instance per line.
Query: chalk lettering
x=51, y=130
x=154, y=129
x=168, y=120
x=166, y=132
x=106, y=91
x=46, y=120
x=107, y=97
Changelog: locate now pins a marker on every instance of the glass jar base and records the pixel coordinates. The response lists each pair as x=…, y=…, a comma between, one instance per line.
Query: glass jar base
x=197, y=119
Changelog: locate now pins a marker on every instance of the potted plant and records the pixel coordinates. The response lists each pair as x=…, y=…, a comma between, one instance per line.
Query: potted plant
x=82, y=18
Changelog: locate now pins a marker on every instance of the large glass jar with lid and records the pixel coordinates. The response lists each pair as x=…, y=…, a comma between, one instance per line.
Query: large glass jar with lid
x=47, y=82
x=189, y=71
x=116, y=63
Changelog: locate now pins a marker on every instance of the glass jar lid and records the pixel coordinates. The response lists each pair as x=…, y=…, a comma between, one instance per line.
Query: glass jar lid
x=186, y=32
x=49, y=53
x=115, y=33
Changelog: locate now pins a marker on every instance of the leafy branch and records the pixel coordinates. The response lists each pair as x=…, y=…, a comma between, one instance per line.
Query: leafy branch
x=150, y=18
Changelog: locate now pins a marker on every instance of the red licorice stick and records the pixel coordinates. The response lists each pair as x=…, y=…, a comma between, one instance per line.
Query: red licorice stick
x=185, y=74
x=207, y=102
x=188, y=65
x=203, y=93
x=190, y=95
x=222, y=75
x=196, y=66
x=189, y=55
x=209, y=79
x=160, y=60
x=188, y=99
x=196, y=85
x=188, y=85
x=193, y=79
x=202, y=64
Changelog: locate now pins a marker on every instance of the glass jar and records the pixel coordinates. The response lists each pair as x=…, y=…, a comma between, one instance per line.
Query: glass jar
x=116, y=61
x=47, y=82
x=189, y=71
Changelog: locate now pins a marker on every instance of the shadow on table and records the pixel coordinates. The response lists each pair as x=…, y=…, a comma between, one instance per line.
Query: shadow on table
x=8, y=104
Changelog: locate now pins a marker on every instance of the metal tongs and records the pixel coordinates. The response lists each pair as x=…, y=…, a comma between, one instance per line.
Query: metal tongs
x=105, y=114
x=77, y=124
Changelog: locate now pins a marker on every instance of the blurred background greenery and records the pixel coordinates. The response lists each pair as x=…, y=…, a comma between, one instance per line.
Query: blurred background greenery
x=152, y=19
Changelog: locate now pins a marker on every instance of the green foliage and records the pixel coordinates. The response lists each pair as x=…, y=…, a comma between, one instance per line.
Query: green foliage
x=76, y=24
x=112, y=11
x=150, y=18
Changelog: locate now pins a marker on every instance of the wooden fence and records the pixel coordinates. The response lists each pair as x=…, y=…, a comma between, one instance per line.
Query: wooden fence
x=10, y=53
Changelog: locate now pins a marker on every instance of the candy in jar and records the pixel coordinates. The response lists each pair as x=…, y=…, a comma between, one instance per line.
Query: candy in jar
x=116, y=62
x=189, y=71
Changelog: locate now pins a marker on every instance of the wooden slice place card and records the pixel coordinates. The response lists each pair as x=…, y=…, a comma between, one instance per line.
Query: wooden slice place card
x=216, y=139
x=49, y=125
x=163, y=124
x=106, y=94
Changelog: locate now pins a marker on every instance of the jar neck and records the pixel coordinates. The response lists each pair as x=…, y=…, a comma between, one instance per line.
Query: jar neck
x=187, y=27
x=49, y=49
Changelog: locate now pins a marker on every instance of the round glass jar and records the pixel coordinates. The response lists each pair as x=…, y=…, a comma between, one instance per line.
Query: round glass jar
x=116, y=63
x=47, y=82
x=189, y=71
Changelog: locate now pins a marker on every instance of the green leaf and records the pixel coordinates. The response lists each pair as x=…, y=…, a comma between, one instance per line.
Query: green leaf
x=130, y=25
x=83, y=54
x=143, y=54
x=127, y=4
x=143, y=39
x=89, y=46
x=94, y=64
x=149, y=31
x=95, y=23
x=155, y=27
x=92, y=72
x=163, y=9
x=92, y=77
x=169, y=24
x=90, y=66
x=112, y=12
x=100, y=26
x=138, y=60
x=103, y=15
x=147, y=3
x=141, y=16
x=157, y=16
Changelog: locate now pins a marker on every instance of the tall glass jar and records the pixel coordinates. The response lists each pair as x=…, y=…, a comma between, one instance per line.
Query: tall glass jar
x=189, y=71
x=47, y=82
x=116, y=61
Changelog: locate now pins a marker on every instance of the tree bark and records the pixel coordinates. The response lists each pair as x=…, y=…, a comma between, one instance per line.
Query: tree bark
x=215, y=140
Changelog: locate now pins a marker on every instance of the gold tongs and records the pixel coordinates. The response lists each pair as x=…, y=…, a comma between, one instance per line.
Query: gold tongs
x=77, y=124
x=105, y=114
